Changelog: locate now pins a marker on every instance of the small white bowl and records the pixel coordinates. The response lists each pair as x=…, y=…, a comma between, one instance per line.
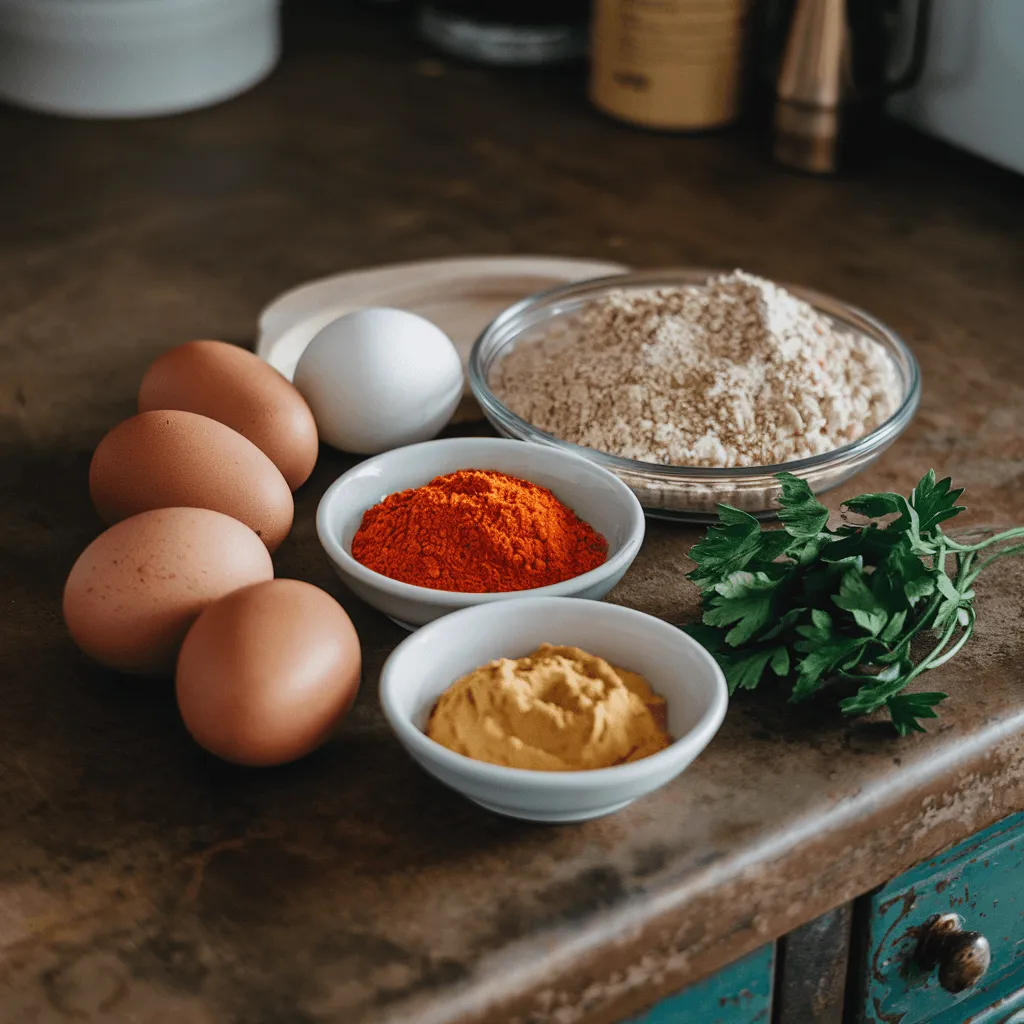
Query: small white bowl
x=425, y=664
x=592, y=492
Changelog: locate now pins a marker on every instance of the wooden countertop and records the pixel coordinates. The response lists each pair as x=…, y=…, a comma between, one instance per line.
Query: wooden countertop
x=139, y=880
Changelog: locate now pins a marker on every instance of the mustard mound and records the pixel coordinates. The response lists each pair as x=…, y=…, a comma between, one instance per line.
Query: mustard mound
x=558, y=709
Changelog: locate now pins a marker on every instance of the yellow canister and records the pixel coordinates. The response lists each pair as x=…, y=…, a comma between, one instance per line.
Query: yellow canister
x=668, y=64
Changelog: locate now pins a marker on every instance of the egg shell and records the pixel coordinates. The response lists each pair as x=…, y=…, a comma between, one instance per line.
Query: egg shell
x=136, y=589
x=237, y=388
x=378, y=379
x=266, y=674
x=169, y=458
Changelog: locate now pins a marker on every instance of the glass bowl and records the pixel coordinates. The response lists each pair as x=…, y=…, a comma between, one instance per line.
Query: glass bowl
x=689, y=493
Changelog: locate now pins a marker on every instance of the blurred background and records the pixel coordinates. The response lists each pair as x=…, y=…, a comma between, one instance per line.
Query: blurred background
x=815, y=77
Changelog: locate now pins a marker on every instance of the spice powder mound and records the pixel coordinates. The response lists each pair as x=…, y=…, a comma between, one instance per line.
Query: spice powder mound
x=477, y=531
x=734, y=372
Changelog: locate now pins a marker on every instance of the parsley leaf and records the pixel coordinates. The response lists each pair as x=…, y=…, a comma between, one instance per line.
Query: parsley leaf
x=894, y=627
x=878, y=689
x=906, y=569
x=815, y=607
x=935, y=502
x=866, y=542
x=906, y=708
x=874, y=506
x=743, y=598
x=825, y=649
x=783, y=624
x=743, y=671
x=855, y=596
x=801, y=513
x=726, y=548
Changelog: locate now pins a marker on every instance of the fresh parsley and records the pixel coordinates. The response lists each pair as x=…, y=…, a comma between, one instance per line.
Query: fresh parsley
x=809, y=605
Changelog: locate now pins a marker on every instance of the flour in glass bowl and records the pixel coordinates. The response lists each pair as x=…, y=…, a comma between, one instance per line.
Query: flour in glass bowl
x=734, y=372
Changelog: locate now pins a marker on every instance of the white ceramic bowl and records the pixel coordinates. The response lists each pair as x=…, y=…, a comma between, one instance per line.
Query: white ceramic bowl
x=425, y=664
x=133, y=58
x=592, y=492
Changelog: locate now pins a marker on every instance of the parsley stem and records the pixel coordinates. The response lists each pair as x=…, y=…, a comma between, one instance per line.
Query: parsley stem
x=941, y=553
x=1012, y=550
x=881, y=694
x=925, y=617
x=998, y=538
x=928, y=661
x=963, y=565
x=958, y=646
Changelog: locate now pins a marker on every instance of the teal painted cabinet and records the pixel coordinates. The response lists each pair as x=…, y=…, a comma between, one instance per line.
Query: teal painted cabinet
x=738, y=994
x=982, y=881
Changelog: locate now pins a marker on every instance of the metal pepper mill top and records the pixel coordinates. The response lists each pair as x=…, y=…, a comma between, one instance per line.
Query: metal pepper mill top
x=833, y=79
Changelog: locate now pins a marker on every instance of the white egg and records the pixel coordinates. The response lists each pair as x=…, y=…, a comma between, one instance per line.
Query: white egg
x=378, y=379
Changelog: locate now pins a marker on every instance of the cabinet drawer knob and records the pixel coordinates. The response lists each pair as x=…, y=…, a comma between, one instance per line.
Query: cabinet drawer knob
x=962, y=957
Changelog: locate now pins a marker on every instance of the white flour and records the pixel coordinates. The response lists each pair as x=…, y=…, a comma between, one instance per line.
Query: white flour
x=736, y=372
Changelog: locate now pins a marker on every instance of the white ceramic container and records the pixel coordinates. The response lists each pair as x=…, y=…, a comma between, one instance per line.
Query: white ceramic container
x=133, y=58
x=424, y=665
x=592, y=492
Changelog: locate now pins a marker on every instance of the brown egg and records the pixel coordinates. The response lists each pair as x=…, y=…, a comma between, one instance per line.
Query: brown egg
x=266, y=674
x=136, y=588
x=170, y=458
x=232, y=385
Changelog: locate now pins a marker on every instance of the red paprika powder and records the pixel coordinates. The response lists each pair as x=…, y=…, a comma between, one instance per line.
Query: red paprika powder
x=477, y=531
